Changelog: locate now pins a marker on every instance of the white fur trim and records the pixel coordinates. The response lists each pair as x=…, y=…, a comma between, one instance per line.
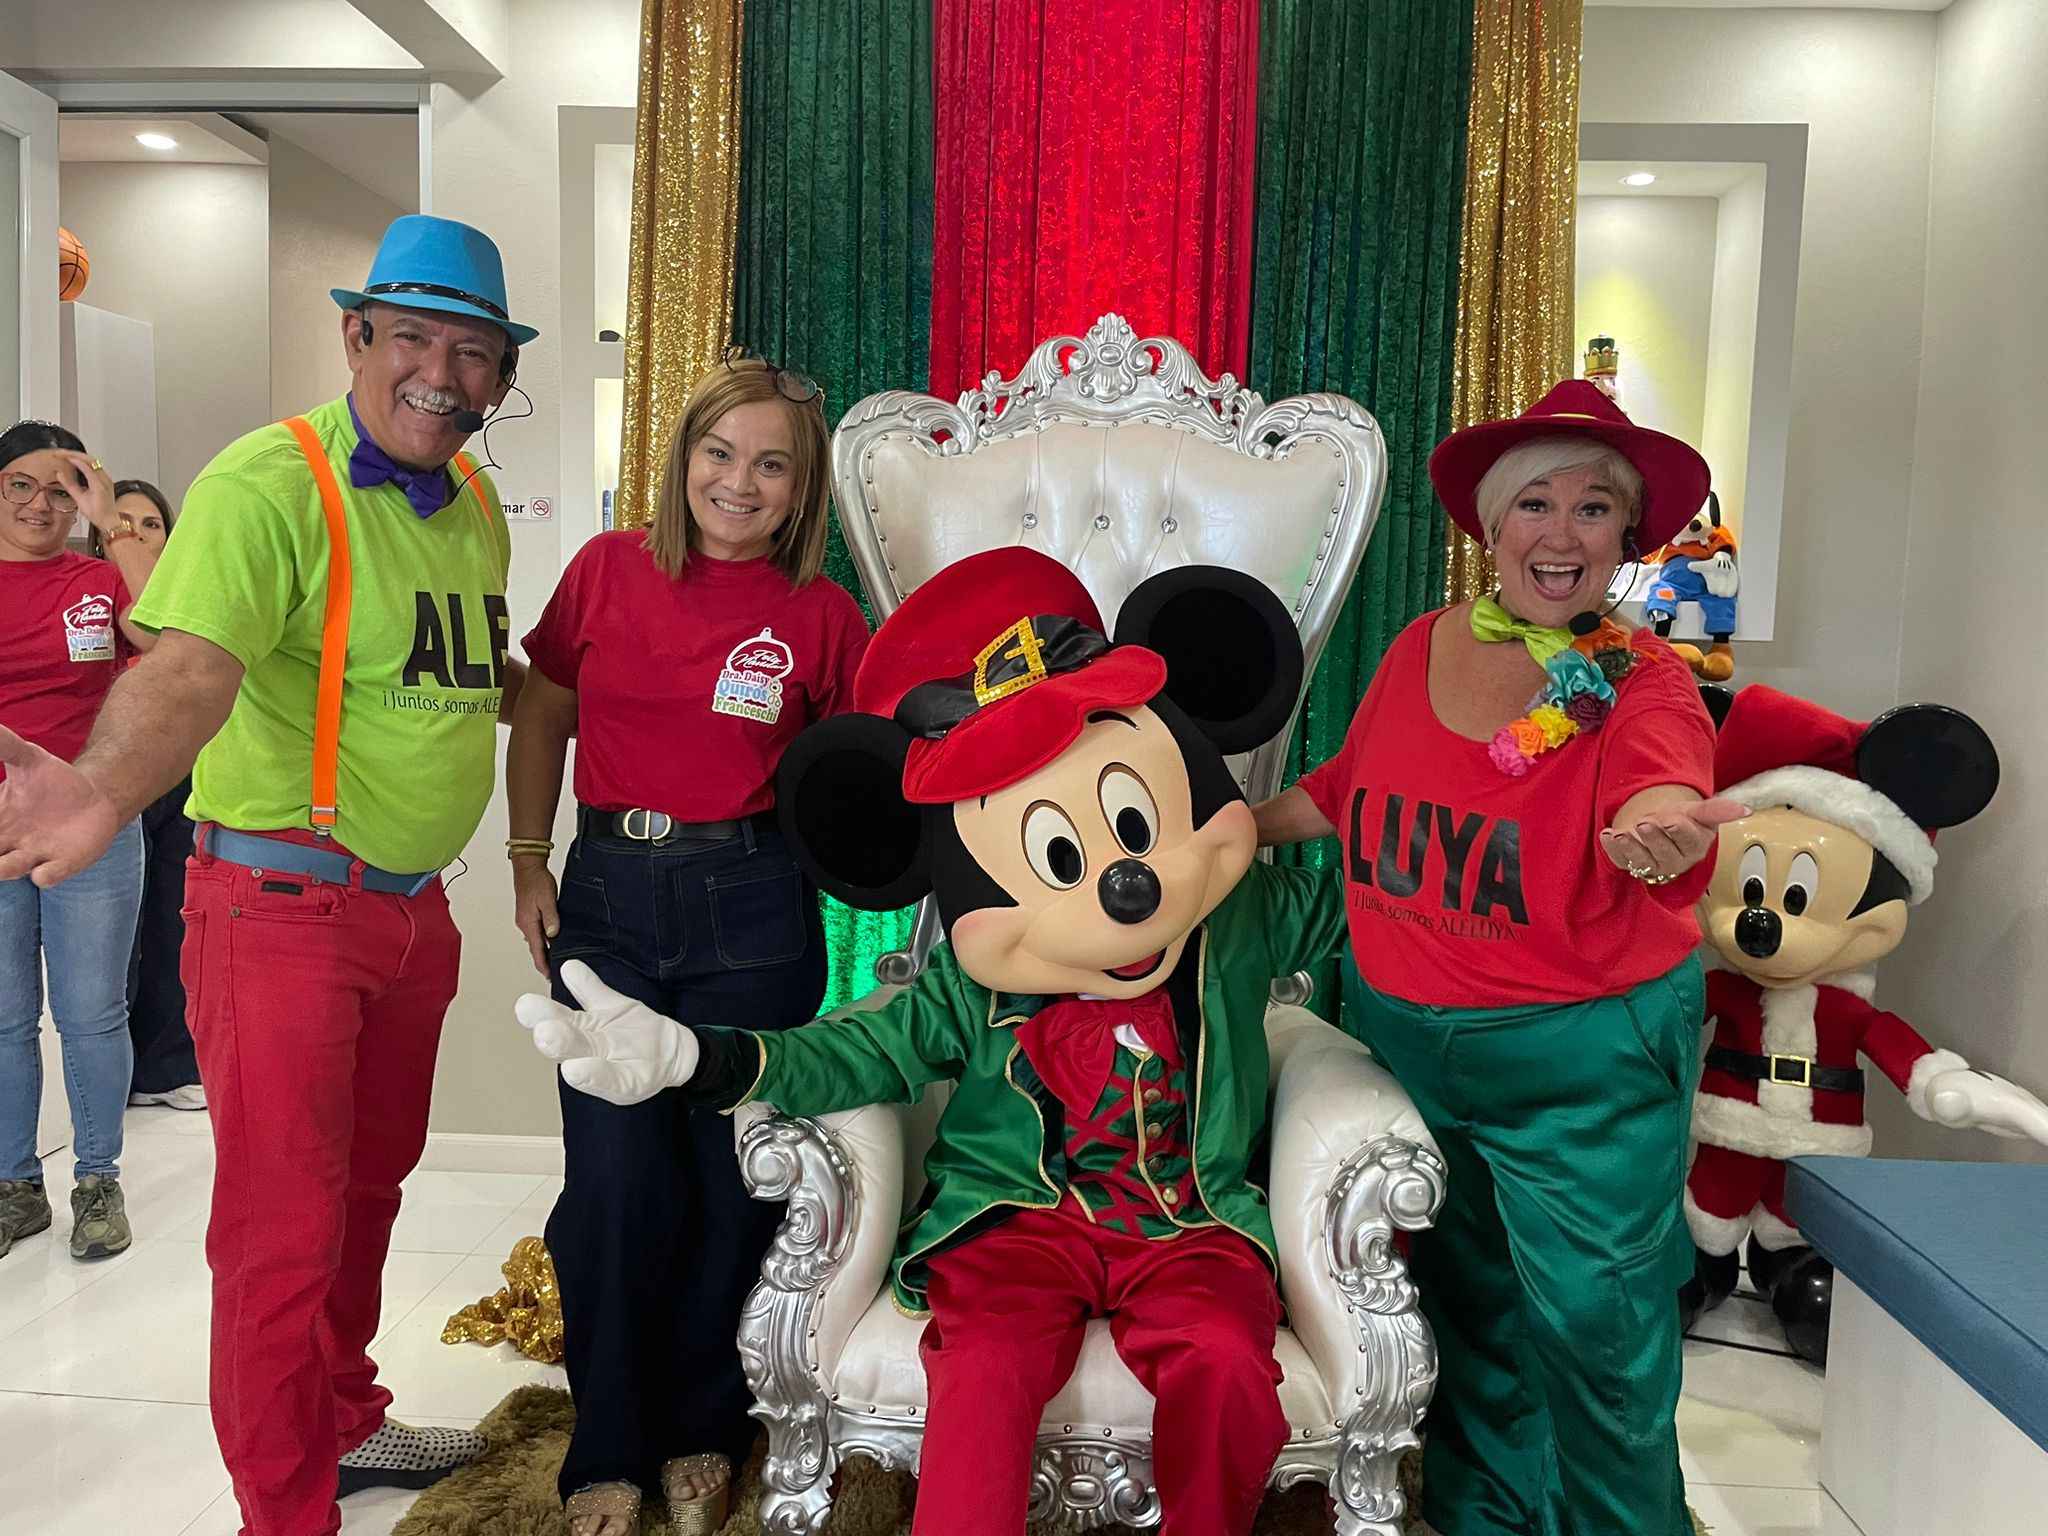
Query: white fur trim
x=1714, y=1234
x=1861, y=984
x=1851, y=805
x=1925, y=1070
x=1773, y=1235
x=1788, y=1031
x=1750, y=1128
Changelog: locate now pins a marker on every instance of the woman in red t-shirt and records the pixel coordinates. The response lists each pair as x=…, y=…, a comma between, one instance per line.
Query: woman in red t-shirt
x=684, y=659
x=1523, y=805
x=64, y=634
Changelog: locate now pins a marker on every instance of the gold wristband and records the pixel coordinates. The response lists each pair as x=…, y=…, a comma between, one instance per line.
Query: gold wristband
x=515, y=846
x=110, y=537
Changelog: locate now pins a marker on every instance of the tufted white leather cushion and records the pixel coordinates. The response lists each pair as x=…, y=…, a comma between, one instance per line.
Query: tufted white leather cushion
x=1112, y=504
x=880, y=1370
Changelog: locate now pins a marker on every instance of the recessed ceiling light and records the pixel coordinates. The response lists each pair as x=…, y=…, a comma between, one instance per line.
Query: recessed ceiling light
x=1639, y=179
x=156, y=141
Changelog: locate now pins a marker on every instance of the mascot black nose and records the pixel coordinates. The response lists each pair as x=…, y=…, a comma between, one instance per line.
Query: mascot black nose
x=1758, y=932
x=1129, y=891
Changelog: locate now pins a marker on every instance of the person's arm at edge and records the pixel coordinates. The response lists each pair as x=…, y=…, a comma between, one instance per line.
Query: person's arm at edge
x=158, y=715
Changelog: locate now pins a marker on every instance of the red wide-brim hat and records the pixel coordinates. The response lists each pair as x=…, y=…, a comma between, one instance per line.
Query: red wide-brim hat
x=1675, y=478
x=1009, y=647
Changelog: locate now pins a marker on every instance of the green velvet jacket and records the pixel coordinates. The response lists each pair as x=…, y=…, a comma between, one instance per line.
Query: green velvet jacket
x=1000, y=1141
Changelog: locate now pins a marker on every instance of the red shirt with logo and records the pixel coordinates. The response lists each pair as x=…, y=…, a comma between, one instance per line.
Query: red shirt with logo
x=60, y=647
x=688, y=690
x=1470, y=889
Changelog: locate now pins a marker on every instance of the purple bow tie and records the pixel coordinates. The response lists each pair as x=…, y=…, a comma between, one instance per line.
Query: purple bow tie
x=369, y=465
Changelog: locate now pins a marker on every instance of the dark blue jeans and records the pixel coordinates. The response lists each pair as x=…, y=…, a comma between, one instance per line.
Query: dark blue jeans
x=164, y=1056
x=655, y=1241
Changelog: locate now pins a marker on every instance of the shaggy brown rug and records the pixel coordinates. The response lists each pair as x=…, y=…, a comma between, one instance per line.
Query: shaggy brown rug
x=511, y=1492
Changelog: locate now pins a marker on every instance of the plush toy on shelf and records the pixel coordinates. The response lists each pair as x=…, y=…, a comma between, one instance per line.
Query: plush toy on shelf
x=1810, y=891
x=1698, y=567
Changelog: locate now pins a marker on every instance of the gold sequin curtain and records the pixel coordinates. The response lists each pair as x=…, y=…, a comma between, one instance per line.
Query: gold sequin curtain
x=686, y=181
x=1521, y=187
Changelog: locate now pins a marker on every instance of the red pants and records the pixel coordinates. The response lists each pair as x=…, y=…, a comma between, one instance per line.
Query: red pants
x=316, y=1013
x=1192, y=1317
x=1729, y=1185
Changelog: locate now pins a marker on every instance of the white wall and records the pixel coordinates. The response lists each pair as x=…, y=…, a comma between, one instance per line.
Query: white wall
x=1864, y=82
x=1731, y=343
x=324, y=229
x=1645, y=276
x=165, y=37
x=1973, y=973
x=184, y=247
x=495, y=165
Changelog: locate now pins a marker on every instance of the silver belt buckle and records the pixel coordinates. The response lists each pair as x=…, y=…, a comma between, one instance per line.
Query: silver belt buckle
x=653, y=827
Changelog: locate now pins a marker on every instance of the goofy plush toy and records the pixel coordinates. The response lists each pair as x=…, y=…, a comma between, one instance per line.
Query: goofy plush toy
x=1100, y=1004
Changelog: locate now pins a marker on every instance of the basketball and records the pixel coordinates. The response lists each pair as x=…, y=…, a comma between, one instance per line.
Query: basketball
x=73, y=265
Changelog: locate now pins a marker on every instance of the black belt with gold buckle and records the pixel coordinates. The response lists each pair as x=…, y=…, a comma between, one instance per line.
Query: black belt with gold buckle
x=656, y=829
x=1792, y=1071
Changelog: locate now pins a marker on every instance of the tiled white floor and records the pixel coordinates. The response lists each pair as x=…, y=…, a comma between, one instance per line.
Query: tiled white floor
x=103, y=1367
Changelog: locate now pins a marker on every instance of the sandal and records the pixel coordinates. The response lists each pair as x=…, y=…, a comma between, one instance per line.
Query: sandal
x=691, y=1513
x=614, y=1509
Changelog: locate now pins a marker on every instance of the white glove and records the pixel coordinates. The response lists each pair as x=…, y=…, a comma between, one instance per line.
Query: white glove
x=614, y=1048
x=1967, y=1099
x=1720, y=576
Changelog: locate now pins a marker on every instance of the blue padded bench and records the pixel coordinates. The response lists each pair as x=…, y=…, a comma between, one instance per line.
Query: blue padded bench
x=1936, y=1406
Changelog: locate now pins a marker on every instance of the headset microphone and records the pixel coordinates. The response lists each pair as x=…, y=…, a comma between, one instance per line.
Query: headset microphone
x=466, y=421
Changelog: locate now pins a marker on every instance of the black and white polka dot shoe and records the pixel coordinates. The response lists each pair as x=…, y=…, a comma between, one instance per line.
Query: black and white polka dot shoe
x=407, y=1456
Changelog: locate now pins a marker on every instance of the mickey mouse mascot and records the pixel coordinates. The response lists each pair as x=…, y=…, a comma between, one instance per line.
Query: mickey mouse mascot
x=1100, y=1003
x=1810, y=890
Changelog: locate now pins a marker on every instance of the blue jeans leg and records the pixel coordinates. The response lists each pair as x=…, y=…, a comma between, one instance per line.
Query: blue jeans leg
x=88, y=930
x=21, y=1014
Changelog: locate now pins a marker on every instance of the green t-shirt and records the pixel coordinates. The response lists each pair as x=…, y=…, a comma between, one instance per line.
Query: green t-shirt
x=428, y=631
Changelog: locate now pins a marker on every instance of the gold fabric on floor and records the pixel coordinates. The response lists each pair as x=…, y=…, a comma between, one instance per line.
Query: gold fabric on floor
x=527, y=1313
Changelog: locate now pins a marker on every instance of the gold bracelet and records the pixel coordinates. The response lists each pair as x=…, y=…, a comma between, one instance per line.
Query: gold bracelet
x=515, y=846
x=118, y=533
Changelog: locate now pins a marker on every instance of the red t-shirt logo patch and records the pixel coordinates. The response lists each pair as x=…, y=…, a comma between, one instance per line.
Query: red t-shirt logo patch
x=750, y=684
x=89, y=628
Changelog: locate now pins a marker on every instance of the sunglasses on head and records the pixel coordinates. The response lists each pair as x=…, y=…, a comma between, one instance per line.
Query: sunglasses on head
x=797, y=388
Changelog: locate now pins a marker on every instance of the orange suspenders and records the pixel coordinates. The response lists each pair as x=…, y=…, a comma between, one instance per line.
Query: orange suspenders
x=334, y=624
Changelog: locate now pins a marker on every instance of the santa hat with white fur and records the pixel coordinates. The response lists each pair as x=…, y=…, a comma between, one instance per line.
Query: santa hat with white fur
x=1892, y=782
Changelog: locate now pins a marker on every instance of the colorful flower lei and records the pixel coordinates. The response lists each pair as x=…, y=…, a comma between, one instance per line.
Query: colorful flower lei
x=1578, y=698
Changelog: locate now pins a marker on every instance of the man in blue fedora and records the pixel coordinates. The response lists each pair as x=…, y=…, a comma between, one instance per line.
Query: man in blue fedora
x=332, y=653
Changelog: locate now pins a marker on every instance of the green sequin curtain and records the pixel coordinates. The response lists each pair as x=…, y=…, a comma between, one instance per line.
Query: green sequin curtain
x=1355, y=287
x=834, y=248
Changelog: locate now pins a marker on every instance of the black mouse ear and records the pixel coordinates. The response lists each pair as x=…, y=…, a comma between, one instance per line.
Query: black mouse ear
x=1719, y=701
x=1233, y=656
x=839, y=798
x=1714, y=508
x=1935, y=763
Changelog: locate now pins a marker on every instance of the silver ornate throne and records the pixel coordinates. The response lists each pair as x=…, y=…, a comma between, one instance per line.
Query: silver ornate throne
x=1119, y=457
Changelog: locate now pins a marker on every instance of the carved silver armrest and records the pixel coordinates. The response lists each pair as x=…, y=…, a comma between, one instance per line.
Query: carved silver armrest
x=1353, y=1164
x=842, y=1176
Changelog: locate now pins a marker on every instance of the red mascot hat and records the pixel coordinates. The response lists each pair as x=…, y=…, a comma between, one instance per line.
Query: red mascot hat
x=993, y=666
x=1774, y=749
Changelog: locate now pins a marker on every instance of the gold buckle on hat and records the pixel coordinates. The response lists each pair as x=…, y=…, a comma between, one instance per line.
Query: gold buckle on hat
x=1804, y=1074
x=1029, y=649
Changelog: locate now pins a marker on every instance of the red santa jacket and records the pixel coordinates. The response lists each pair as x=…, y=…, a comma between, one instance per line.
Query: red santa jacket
x=1830, y=1026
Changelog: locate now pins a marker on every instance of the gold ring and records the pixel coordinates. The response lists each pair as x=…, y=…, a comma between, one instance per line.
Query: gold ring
x=96, y=464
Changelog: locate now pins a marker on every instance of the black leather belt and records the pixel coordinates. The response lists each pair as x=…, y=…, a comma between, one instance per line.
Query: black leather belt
x=658, y=829
x=1793, y=1071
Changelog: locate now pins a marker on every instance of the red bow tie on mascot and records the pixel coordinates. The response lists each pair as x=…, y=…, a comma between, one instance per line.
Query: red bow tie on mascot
x=1811, y=890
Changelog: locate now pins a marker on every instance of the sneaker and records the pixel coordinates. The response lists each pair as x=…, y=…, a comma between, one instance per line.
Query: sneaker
x=407, y=1456
x=99, y=1218
x=24, y=1211
x=189, y=1096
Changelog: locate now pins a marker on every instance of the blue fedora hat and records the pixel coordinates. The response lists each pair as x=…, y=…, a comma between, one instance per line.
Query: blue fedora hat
x=430, y=263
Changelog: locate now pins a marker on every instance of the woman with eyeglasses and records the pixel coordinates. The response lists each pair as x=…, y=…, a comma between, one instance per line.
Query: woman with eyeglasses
x=684, y=658
x=64, y=635
x=166, y=1064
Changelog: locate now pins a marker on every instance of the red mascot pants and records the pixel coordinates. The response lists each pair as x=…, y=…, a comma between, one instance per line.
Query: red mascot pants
x=1192, y=1317
x=317, y=1012
x=1729, y=1185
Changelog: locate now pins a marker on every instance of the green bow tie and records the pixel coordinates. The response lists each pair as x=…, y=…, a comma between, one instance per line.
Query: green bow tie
x=1492, y=622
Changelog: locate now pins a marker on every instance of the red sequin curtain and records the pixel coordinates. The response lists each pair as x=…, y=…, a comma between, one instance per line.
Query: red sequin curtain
x=1092, y=155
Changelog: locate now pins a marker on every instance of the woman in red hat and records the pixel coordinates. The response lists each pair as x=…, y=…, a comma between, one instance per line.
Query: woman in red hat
x=684, y=659
x=1524, y=803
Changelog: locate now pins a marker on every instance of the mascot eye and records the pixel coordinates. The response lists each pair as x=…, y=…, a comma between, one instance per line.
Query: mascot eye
x=1053, y=846
x=1799, y=888
x=1128, y=806
x=1752, y=873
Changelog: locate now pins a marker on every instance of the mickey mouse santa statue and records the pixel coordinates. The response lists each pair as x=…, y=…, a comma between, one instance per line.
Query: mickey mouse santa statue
x=1810, y=890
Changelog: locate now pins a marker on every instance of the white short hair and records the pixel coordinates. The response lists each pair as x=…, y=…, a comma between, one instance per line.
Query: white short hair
x=1541, y=457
